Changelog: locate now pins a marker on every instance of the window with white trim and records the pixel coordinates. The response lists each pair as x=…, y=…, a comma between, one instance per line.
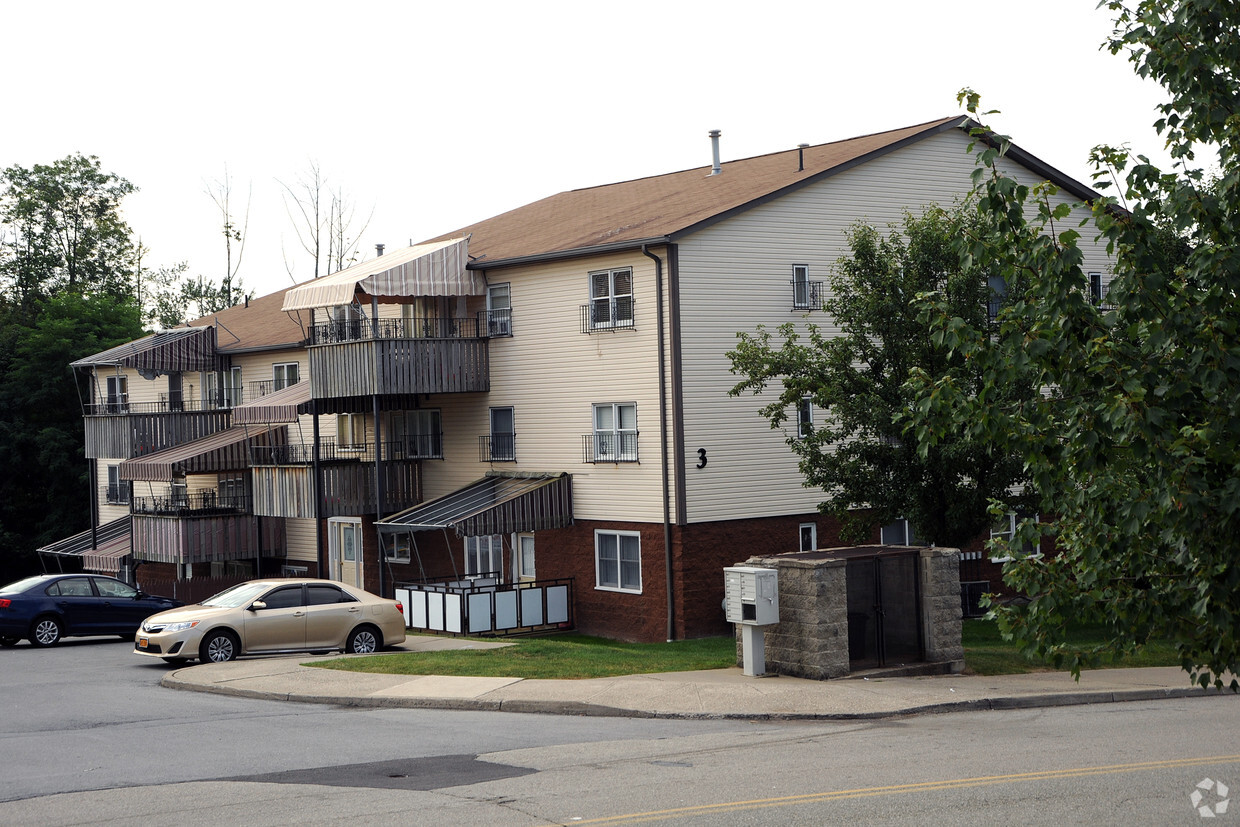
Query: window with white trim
x=899, y=533
x=615, y=432
x=618, y=561
x=805, y=418
x=499, y=310
x=1096, y=293
x=1005, y=529
x=611, y=298
x=484, y=555
x=284, y=374
x=805, y=293
x=396, y=548
x=525, y=556
x=351, y=431
x=503, y=436
x=118, y=393
x=118, y=489
x=809, y=536
x=222, y=390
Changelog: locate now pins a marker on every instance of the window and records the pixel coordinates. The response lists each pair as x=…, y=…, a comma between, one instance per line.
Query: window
x=222, y=390
x=118, y=394
x=525, y=556
x=351, y=432
x=180, y=492
x=809, y=536
x=611, y=298
x=346, y=323
x=1096, y=293
x=484, y=555
x=396, y=548
x=899, y=533
x=806, y=294
x=107, y=587
x=1005, y=529
x=998, y=293
x=326, y=595
x=286, y=597
x=618, y=560
x=503, y=436
x=418, y=433
x=232, y=492
x=615, y=432
x=805, y=418
x=118, y=489
x=499, y=310
x=237, y=568
x=283, y=375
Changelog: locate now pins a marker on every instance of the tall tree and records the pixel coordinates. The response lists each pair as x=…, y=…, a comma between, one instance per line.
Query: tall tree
x=64, y=230
x=323, y=220
x=1135, y=446
x=856, y=451
x=229, y=291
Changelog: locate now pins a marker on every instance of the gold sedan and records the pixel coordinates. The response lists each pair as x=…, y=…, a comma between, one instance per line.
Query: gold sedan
x=271, y=616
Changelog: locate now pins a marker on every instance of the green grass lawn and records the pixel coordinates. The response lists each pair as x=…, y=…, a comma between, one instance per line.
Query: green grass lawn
x=578, y=656
x=559, y=656
x=986, y=653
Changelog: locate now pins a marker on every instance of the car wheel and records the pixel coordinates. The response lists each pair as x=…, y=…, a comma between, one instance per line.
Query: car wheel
x=46, y=631
x=362, y=641
x=8, y=642
x=218, y=647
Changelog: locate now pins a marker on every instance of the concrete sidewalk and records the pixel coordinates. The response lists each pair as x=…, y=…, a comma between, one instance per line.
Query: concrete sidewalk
x=717, y=693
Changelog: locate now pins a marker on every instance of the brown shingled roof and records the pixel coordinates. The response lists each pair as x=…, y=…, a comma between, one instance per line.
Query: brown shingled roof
x=257, y=324
x=665, y=205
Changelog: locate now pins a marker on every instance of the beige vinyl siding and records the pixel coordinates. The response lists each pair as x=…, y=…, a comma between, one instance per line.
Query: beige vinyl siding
x=551, y=374
x=301, y=538
x=736, y=274
x=107, y=512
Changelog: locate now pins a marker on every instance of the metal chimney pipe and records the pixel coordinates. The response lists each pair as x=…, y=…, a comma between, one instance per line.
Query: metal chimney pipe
x=801, y=157
x=715, y=169
x=378, y=249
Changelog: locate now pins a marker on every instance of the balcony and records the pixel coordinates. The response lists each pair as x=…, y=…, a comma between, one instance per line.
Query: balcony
x=198, y=504
x=608, y=315
x=497, y=448
x=284, y=485
x=403, y=356
x=806, y=295
x=119, y=429
x=114, y=493
x=202, y=537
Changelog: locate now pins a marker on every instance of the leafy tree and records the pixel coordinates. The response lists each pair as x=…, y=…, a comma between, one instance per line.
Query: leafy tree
x=871, y=472
x=64, y=230
x=1135, y=446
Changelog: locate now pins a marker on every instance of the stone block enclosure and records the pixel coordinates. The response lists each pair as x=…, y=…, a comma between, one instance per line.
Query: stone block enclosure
x=866, y=607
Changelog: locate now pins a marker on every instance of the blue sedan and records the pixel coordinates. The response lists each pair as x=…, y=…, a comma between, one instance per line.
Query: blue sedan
x=48, y=607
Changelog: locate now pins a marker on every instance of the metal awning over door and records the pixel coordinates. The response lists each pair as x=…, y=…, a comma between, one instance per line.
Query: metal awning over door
x=112, y=540
x=284, y=405
x=168, y=351
x=223, y=451
x=496, y=504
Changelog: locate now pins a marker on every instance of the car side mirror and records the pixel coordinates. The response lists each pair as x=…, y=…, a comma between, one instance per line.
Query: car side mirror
x=256, y=605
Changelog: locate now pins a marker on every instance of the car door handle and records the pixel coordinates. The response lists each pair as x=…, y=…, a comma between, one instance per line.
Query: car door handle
x=354, y=609
x=299, y=614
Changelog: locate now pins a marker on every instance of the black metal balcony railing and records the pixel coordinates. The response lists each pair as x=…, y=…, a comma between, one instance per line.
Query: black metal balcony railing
x=115, y=493
x=422, y=446
x=200, y=503
x=497, y=322
x=608, y=314
x=497, y=448
x=167, y=404
x=806, y=295
x=422, y=327
x=609, y=446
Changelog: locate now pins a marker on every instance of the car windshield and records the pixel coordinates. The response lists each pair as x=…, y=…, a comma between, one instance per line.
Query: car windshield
x=239, y=595
x=21, y=585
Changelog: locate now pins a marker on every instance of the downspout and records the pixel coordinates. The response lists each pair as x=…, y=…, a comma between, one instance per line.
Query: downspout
x=379, y=373
x=663, y=452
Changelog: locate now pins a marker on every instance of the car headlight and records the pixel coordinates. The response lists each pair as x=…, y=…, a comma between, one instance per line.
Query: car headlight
x=179, y=626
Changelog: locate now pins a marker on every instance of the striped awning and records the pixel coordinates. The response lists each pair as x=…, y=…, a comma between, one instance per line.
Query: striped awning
x=284, y=405
x=112, y=544
x=496, y=504
x=435, y=269
x=222, y=451
x=168, y=351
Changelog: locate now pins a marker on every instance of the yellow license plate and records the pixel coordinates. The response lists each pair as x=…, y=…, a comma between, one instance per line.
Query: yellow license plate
x=141, y=643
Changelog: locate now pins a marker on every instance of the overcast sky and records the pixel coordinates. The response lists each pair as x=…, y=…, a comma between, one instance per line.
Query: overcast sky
x=431, y=116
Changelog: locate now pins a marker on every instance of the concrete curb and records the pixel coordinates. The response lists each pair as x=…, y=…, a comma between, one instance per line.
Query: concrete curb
x=578, y=708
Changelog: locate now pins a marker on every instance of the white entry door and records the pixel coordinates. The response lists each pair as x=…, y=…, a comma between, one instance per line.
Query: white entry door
x=344, y=550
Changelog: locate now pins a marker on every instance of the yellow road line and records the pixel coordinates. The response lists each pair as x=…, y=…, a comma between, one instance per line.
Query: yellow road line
x=922, y=786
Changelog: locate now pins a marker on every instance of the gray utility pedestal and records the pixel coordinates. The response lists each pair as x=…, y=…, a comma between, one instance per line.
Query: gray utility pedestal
x=843, y=610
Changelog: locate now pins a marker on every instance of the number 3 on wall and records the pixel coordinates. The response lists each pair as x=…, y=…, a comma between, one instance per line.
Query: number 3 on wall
x=701, y=458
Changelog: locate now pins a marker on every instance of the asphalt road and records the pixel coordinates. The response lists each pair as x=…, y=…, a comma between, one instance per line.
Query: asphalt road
x=88, y=737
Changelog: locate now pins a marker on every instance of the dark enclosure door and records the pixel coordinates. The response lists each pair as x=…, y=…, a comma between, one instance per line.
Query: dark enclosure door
x=884, y=612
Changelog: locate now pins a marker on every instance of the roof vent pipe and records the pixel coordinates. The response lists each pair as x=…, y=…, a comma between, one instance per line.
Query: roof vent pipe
x=801, y=157
x=378, y=249
x=715, y=169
